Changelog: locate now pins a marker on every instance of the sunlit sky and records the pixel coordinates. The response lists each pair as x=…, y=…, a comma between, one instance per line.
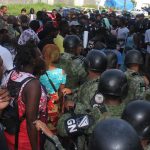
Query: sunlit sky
x=140, y=2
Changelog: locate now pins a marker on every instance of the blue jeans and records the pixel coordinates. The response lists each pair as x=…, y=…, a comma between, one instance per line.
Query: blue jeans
x=3, y=144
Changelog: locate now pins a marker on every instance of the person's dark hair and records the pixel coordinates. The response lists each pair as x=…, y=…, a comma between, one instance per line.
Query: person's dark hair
x=62, y=24
x=111, y=42
x=123, y=21
x=39, y=15
x=25, y=55
x=32, y=11
x=4, y=37
x=34, y=25
x=54, y=10
x=24, y=20
x=23, y=10
x=3, y=6
x=49, y=30
x=11, y=19
x=45, y=18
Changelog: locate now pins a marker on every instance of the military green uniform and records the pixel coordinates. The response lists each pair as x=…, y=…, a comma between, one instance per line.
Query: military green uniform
x=147, y=94
x=85, y=94
x=87, y=91
x=147, y=148
x=137, y=86
x=11, y=31
x=112, y=111
x=83, y=98
x=97, y=115
x=74, y=68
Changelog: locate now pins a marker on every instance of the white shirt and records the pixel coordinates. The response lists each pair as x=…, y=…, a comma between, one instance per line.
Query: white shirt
x=7, y=62
x=7, y=59
x=122, y=33
x=147, y=39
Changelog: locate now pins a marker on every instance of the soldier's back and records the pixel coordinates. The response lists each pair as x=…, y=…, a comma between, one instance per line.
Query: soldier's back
x=87, y=90
x=136, y=86
x=74, y=70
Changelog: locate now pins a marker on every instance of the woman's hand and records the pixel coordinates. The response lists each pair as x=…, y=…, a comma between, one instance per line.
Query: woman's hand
x=4, y=98
x=43, y=127
x=66, y=91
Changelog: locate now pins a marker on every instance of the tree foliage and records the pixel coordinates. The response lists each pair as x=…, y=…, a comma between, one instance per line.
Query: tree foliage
x=134, y=2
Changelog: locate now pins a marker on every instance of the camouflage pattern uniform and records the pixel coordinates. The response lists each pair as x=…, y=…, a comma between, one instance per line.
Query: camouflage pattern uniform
x=112, y=111
x=147, y=94
x=73, y=66
x=147, y=148
x=11, y=31
x=137, y=86
x=3, y=24
x=86, y=91
x=85, y=94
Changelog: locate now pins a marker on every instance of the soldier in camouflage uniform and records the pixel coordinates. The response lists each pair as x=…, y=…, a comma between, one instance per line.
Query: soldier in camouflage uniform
x=138, y=83
x=105, y=103
x=9, y=27
x=3, y=24
x=95, y=63
x=114, y=134
x=137, y=114
x=87, y=89
x=72, y=63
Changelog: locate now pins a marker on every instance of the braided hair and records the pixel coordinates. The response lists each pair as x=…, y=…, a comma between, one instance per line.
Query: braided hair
x=25, y=55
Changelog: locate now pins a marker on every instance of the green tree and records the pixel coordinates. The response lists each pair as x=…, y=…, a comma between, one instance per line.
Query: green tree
x=134, y=2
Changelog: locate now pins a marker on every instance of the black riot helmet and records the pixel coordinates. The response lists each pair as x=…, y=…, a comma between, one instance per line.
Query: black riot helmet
x=71, y=42
x=137, y=113
x=111, y=59
x=133, y=57
x=96, y=61
x=114, y=134
x=113, y=82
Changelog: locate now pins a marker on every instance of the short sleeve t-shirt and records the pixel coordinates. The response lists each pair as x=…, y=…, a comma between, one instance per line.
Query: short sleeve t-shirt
x=147, y=39
x=57, y=77
x=7, y=58
x=27, y=35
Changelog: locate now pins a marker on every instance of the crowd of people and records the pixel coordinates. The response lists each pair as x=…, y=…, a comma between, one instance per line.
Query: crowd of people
x=79, y=81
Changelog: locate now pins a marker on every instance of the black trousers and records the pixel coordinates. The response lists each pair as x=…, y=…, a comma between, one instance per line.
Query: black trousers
x=3, y=144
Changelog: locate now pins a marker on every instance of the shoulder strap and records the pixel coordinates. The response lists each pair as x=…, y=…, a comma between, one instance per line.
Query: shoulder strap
x=22, y=117
x=51, y=83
